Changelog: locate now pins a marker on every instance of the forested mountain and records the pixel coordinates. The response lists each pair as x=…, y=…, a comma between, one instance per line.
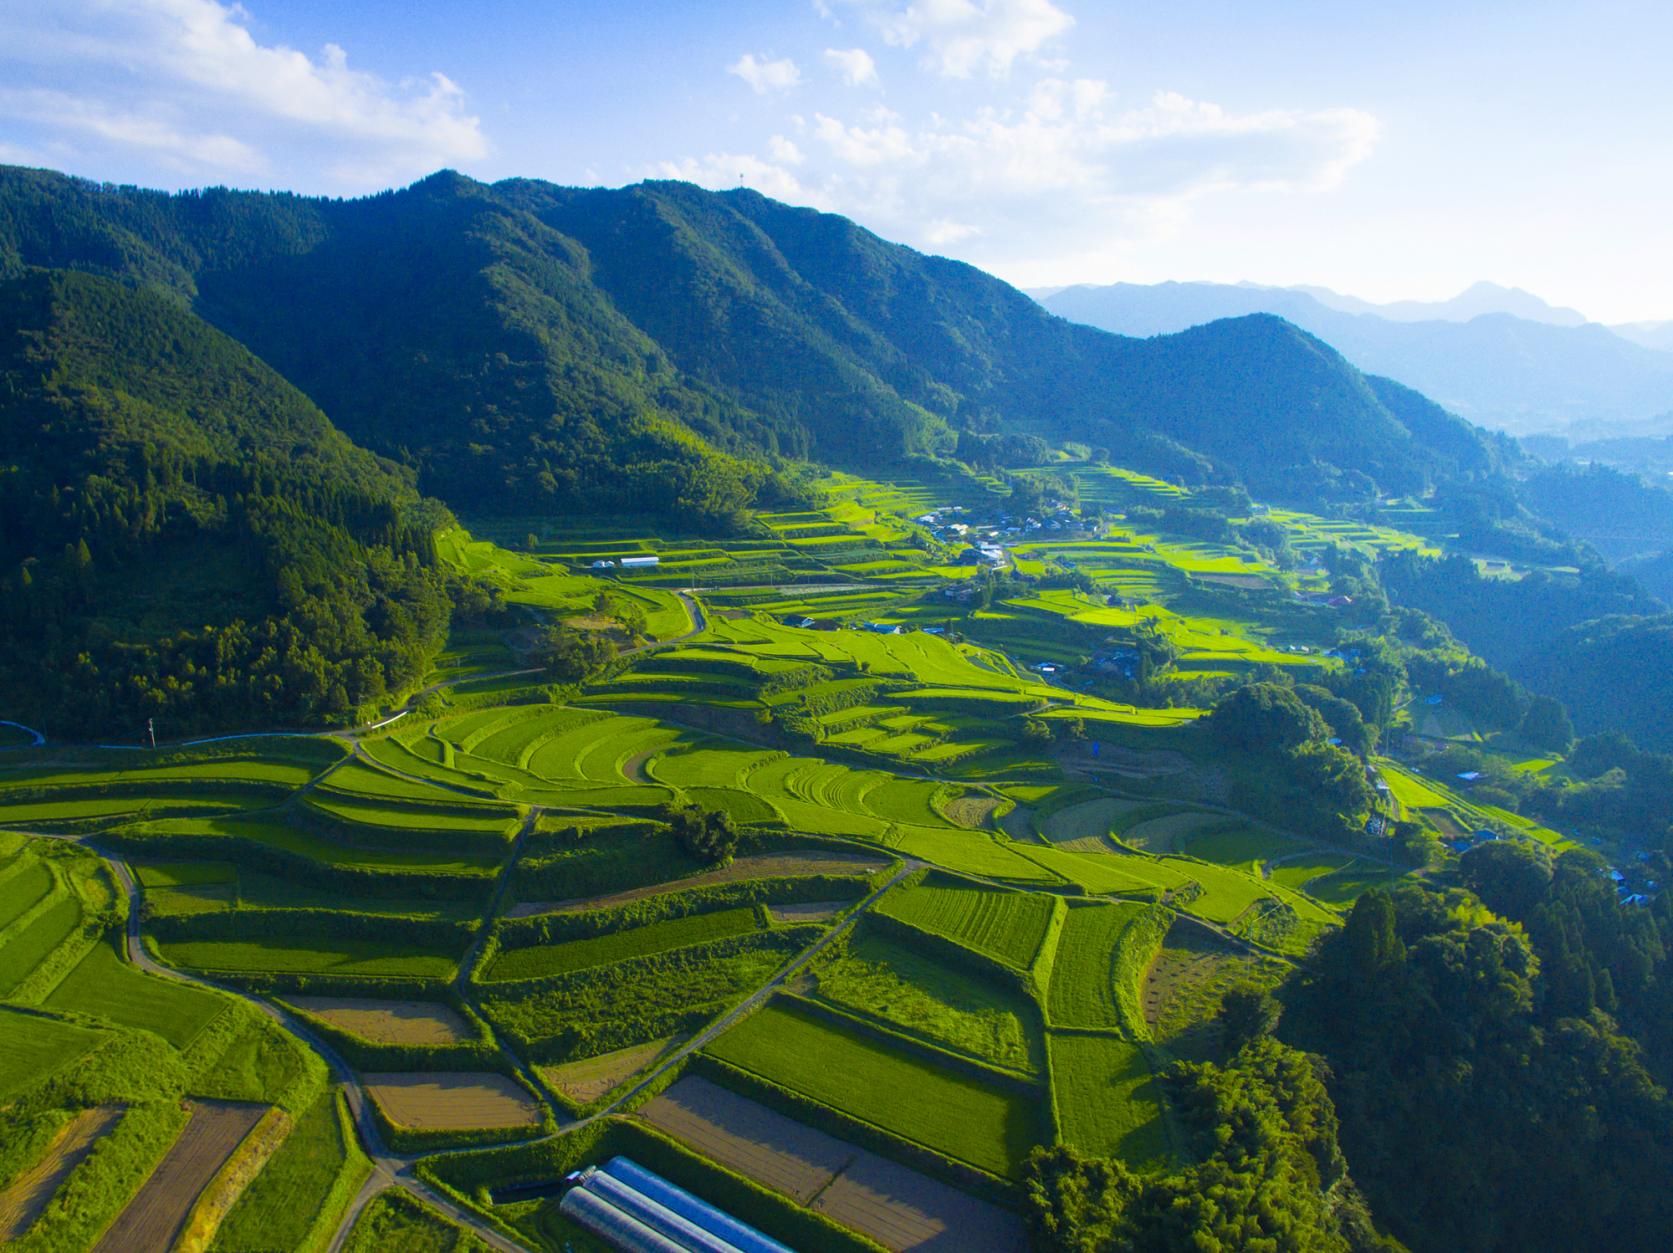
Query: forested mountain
x=1505, y=371
x=183, y=532
x=532, y=343
x=1614, y=673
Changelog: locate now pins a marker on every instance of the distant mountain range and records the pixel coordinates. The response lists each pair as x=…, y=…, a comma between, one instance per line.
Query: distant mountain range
x=1499, y=356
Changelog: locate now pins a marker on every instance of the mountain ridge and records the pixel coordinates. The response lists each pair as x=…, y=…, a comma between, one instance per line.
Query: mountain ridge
x=524, y=341
x=1495, y=369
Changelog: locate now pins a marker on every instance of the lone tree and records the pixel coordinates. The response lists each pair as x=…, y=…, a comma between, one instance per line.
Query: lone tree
x=708, y=837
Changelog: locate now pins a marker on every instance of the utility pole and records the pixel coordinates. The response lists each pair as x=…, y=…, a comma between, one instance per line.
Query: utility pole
x=151, y=730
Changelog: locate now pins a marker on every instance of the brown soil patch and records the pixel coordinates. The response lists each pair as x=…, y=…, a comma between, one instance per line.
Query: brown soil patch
x=389, y=1022
x=902, y=1209
x=974, y=812
x=23, y=1200
x=808, y=911
x=154, y=1218
x=755, y=866
x=448, y=1101
x=894, y=1205
x=592, y=1077
x=750, y=1138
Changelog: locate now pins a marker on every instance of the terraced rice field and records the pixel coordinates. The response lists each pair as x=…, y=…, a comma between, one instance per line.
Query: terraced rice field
x=153, y=1219
x=1108, y=1102
x=102, y=985
x=422, y=1023
x=279, y=955
x=592, y=1078
x=877, y=976
x=1082, y=990
x=660, y=937
x=1007, y=926
x=452, y=1100
x=789, y=863
x=986, y=1126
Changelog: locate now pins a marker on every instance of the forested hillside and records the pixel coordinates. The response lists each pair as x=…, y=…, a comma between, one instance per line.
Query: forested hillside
x=183, y=533
x=544, y=344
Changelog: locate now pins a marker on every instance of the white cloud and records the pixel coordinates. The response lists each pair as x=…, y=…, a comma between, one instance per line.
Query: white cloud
x=143, y=75
x=944, y=231
x=784, y=151
x=1062, y=163
x=962, y=37
x=855, y=65
x=763, y=75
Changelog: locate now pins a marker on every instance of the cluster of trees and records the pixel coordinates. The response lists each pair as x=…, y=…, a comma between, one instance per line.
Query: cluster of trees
x=1544, y=630
x=1268, y=1174
x=184, y=537
x=1293, y=772
x=705, y=835
x=1486, y=1101
x=569, y=655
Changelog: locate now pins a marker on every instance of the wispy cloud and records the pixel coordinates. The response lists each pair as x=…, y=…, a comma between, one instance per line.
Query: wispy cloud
x=1062, y=159
x=855, y=65
x=961, y=38
x=764, y=75
x=146, y=74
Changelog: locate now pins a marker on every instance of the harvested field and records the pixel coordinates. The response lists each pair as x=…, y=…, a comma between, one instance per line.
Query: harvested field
x=1093, y=818
x=808, y=911
x=593, y=1077
x=755, y=866
x=23, y=1200
x=445, y=1101
x=1182, y=989
x=389, y=1022
x=973, y=811
x=902, y=1209
x=894, y=1205
x=154, y=1218
x=1165, y=835
x=748, y=1137
x=1088, y=844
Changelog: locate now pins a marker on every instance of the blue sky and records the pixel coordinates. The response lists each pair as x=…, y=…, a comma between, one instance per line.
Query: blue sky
x=1391, y=151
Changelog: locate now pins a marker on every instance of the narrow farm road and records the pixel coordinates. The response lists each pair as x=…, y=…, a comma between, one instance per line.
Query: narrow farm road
x=754, y=1001
x=388, y=1168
